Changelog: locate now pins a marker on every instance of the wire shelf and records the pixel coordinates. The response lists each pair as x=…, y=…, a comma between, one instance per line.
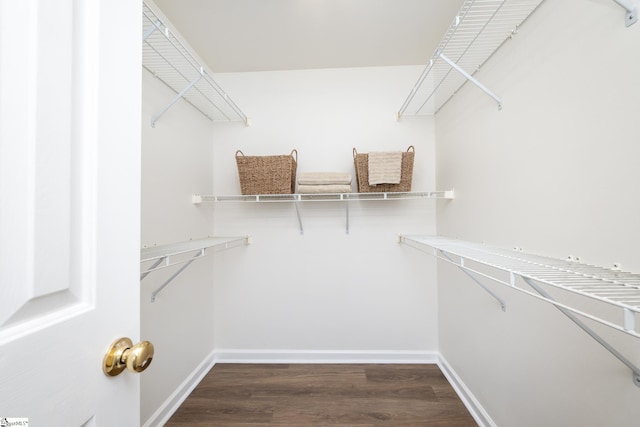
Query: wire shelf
x=327, y=197
x=478, y=30
x=163, y=256
x=165, y=251
x=169, y=60
x=171, y=254
x=618, y=289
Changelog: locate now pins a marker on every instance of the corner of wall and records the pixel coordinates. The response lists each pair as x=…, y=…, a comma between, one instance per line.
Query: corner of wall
x=473, y=405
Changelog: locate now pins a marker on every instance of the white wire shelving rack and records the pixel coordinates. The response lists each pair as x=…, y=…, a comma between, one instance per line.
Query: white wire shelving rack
x=168, y=255
x=617, y=293
x=169, y=60
x=477, y=31
x=327, y=197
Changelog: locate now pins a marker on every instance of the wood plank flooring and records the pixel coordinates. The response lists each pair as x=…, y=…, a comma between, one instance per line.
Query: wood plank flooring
x=365, y=395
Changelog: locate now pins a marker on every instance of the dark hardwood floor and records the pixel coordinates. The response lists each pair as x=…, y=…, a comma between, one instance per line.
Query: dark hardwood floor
x=306, y=395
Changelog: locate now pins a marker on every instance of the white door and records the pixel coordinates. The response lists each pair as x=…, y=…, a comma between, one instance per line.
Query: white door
x=69, y=208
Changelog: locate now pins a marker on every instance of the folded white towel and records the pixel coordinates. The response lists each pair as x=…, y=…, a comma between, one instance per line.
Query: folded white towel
x=385, y=167
x=324, y=189
x=323, y=178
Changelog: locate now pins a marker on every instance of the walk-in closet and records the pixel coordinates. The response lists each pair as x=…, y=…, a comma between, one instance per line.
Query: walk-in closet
x=451, y=211
x=505, y=263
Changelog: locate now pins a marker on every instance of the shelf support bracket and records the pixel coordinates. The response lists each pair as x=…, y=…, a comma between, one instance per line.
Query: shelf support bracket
x=180, y=270
x=299, y=219
x=503, y=304
x=471, y=78
x=588, y=330
x=631, y=17
x=150, y=269
x=155, y=118
x=151, y=29
x=347, y=217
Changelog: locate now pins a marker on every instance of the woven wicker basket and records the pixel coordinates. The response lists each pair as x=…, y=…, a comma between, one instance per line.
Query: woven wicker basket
x=267, y=174
x=361, y=161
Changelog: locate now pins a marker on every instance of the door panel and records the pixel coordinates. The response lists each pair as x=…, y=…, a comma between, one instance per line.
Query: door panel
x=40, y=269
x=69, y=208
x=43, y=220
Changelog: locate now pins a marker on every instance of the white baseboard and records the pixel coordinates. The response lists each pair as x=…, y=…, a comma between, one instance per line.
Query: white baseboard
x=171, y=405
x=323, y=356
x=477, y=411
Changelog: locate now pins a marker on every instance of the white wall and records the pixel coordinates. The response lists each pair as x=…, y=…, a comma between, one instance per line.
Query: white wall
x=555, y=173
x=324, y=291
x=176, y=162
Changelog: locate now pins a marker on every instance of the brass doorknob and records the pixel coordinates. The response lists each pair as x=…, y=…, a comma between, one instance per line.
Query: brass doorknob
x=123, y=354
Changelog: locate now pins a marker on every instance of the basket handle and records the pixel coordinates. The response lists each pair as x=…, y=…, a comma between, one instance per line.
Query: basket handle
x=411, y=148
x=354, y=152
x=240, y=153
x=296, y=156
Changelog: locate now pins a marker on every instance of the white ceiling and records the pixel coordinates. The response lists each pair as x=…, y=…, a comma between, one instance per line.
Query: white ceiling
x=262, y=35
